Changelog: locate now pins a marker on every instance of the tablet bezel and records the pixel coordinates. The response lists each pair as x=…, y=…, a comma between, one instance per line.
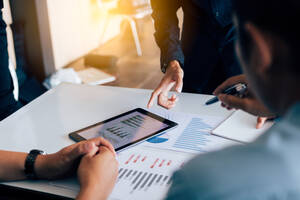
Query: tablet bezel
x=77, y=138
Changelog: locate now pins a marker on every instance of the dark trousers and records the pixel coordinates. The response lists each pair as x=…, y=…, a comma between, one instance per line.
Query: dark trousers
x=209, y=54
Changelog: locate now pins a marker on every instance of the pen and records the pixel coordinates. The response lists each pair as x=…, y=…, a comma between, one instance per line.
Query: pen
x=239, y=88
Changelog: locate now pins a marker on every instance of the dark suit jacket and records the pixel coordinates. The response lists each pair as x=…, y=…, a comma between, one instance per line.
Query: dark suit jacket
x=205, y=49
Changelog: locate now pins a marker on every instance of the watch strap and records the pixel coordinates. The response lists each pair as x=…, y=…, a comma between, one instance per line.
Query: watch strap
x=29, y=164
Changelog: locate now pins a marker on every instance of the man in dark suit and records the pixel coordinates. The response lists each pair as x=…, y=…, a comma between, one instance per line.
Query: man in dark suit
x=205, y=52
x=8, y=104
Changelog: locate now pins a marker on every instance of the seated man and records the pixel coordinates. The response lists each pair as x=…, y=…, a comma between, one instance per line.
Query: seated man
x=97, y=171
x=267, y=47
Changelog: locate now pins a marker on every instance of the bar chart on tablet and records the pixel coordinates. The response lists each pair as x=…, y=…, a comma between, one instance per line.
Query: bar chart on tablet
x=125, y=129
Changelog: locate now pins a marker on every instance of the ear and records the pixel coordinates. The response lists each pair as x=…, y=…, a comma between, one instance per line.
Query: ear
x=262, y=46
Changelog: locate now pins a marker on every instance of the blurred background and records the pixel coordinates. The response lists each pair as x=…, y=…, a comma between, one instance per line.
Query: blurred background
x=110, y=36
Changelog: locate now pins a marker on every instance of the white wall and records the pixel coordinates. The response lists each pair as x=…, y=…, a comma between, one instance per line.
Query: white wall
x=70, y=29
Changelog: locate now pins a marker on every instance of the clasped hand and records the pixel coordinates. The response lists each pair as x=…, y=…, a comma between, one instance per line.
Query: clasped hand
x=94, y=160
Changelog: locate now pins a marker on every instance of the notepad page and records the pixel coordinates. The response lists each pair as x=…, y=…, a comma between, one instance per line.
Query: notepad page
x=241, y=126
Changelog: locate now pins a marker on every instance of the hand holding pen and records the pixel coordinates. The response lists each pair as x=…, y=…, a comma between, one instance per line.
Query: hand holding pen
x=237, y=89
x=248, y=102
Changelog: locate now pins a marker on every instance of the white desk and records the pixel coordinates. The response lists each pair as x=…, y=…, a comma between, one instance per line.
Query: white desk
x=45, y=123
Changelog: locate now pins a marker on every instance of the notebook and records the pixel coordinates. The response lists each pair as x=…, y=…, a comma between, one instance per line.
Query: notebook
x=241, y=126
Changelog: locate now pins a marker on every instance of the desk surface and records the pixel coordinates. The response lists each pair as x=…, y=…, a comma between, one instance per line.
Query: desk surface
x=45, y=123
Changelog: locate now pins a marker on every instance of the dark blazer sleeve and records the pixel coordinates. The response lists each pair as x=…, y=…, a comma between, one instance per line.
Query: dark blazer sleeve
x=167, y=31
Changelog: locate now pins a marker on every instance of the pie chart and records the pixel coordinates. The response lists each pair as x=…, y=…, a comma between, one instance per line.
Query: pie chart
x=158, y=139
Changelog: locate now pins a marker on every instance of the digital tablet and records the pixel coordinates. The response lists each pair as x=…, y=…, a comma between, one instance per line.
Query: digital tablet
x=127, y=129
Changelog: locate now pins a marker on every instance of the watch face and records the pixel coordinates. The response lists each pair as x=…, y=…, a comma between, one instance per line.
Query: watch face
x=36, y=151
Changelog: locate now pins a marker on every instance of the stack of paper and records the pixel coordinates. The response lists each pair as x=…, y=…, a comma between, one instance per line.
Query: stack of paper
x=93, y=76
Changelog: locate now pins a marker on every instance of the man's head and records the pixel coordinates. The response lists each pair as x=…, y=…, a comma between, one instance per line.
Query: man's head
x=268, y=45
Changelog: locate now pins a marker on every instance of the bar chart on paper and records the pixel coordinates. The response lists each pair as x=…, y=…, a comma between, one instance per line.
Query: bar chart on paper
x=193, y=134
x=146, y=173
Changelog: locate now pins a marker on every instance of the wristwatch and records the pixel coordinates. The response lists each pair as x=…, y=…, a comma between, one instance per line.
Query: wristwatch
x=29, y=163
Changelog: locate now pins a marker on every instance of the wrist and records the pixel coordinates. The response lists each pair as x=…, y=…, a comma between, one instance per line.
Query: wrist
x=30, y=163
x=42, y=166
x=170, y=64
x=174, y=66
x=174, y=62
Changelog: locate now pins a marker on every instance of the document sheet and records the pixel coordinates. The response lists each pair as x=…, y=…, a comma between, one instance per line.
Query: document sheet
x=193, y=135
x=144, y=173
x=241, y=126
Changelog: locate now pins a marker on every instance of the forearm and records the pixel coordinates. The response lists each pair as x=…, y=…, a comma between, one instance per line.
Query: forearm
x=167, y=33
x=12, y=166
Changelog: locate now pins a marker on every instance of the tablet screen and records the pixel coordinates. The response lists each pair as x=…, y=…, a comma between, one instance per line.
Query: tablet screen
x=128, y=128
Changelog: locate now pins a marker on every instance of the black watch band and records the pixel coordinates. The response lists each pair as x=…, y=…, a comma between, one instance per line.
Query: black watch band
x=29, y=164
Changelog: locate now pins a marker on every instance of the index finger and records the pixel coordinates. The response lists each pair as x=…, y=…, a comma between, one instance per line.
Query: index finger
x=154, y=95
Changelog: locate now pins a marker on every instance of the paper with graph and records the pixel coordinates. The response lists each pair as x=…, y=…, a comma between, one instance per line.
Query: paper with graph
x=193, y=134
x=144, y=173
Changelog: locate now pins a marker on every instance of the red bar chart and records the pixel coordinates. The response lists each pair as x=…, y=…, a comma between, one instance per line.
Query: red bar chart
x=146, y=171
